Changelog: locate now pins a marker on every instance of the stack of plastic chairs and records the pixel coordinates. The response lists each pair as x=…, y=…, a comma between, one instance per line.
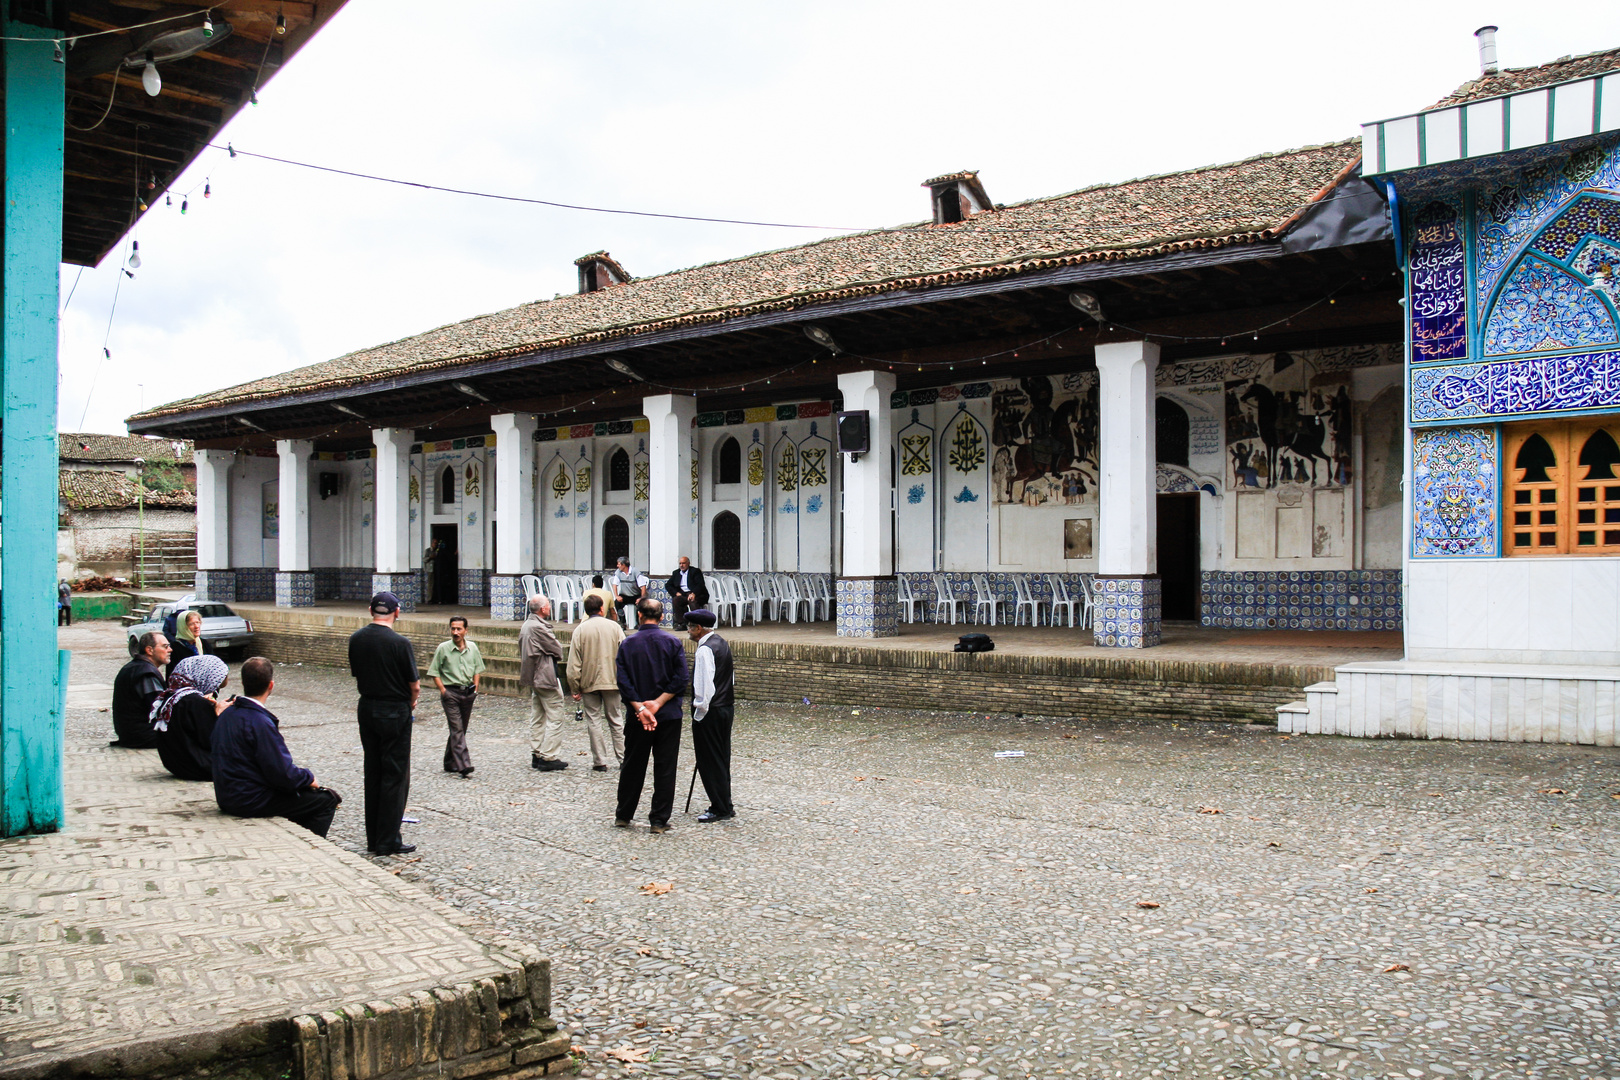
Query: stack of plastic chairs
x=756, y=599
x=1089, y=592
x=531, y=587
x=1073, y=608
x=1026, y=600
x=789, y=600
x=726, y=598
x=908, y=602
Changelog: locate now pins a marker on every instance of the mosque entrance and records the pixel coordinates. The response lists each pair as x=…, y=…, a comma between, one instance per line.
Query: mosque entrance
x=445, y=586
x=1178, y=555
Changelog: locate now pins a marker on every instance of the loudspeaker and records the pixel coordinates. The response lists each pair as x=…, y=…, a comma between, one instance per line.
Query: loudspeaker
x=854, y=432
x=329, y=484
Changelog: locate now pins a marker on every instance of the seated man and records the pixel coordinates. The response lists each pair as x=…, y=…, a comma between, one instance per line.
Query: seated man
x=136, y=686
x=254, y=775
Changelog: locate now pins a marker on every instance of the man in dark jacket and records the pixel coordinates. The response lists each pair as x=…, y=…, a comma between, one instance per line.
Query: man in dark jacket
x=254, y=775
x=384, y=668
x=652, y=677
x=714, y=693
x=686, y=590
x=138, y=684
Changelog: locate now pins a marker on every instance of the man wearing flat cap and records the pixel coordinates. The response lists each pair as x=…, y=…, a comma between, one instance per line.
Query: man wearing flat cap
x=384, y=668
x=713, y=696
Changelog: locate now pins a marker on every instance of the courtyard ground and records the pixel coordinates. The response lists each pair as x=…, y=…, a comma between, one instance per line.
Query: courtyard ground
x=1124, y=900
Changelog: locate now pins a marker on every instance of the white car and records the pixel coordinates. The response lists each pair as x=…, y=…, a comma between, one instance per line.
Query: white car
x=222, y=628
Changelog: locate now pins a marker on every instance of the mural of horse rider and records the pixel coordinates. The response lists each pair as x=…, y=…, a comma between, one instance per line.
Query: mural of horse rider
x=1044, y=453
x=1294, y=427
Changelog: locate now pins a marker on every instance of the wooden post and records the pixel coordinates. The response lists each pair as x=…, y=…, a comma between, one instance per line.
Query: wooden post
x=30, y=693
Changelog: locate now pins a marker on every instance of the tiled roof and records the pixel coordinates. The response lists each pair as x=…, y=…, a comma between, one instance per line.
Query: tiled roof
x=1512, y=80
x=88, y=446
x=1216, y=206
x=106, y=489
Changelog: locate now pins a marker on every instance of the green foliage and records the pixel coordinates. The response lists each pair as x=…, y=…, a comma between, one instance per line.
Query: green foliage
x=163, y=476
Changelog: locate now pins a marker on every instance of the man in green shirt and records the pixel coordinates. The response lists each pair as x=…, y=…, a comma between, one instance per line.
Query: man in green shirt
x=456, y=667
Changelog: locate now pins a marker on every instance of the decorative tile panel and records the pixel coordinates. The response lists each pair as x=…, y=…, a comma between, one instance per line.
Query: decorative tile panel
x=506, y=597
x=1542, y=308
x=1302, y=599
x=1454, y=492
x=868, y=607
x=1439, y=276
x=216, y=585
x=328, y=582
x=1502, y=388
x=295, y=588
x=472, y=587
x=1127, y=614
x=408, y=587
x=256, y=584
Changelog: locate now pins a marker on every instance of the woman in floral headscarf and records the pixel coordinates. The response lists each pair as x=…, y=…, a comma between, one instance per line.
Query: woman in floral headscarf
x=183, y=716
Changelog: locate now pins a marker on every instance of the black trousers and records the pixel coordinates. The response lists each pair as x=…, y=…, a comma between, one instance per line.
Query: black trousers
x=711, y=743
x=311, y=808
x=458, y=707
x=663, y=743
x=385, y=736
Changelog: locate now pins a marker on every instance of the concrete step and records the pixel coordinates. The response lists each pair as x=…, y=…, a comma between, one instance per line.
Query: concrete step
x=1323, y=699
x=1293, y=716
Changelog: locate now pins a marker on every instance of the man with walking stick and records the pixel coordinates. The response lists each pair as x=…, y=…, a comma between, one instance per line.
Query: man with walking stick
x=713, y=697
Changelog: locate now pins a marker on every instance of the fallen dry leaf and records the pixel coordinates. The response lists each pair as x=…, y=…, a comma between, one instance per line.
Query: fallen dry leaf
x=967, y=889
x=857, y=1040
x=589, y=900
x=1396, y=967
x=626, y=1054
x=644, y=951
x=858, y=779
x=1146, y=904
x=666, y=1030
x=824, y=802
x=657, y=888
x=1272, y=843
x=1018, y=869
x=1435, y=794
x=1553, y=791
x=640, y=1023
x=1369, y=889
x=1208, y=810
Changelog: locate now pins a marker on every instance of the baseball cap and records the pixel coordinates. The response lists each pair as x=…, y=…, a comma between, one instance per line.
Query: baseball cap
x=384, y=603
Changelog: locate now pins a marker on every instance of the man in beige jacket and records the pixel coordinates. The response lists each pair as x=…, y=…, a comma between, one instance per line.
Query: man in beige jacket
x=541, y=651
x=593, y=667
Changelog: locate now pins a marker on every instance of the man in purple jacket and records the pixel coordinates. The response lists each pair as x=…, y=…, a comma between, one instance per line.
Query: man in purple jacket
x=652, y=677
x=254, y=775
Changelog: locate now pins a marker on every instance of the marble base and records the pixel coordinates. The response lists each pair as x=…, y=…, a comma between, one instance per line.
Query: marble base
x=1127, y=613
x=868, y=607
x=295, y=588
x=407, y=586
x=216, y=585
x=506, y=597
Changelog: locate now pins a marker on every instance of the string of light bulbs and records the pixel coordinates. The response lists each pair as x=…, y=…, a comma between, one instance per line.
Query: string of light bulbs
x=207, y=12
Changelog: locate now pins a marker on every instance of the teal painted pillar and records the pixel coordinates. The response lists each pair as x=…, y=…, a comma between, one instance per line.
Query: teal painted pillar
x=30, y=670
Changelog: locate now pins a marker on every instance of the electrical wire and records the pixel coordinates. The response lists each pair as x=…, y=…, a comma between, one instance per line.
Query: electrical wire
x=104, y=112
x=71, y=291
x=105, y=352
x=69, y=39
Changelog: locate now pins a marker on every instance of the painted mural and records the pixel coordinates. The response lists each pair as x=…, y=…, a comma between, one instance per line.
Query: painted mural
x=1288, y=422
x=1044, y=432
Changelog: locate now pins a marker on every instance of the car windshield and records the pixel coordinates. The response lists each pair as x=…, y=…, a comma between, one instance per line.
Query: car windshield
x=214, y=611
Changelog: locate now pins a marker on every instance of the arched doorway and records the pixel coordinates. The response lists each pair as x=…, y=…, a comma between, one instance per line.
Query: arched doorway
x=1172, y=432
x=727, y=536
x=615, y=540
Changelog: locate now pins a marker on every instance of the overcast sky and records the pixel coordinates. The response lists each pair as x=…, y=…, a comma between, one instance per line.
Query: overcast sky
x=829, y=113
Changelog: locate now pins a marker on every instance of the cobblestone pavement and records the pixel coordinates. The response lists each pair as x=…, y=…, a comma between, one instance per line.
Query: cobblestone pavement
x=1123, y=901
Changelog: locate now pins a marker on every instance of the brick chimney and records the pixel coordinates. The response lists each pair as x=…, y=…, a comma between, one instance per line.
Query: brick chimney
x=957, y=197
x=599, y=270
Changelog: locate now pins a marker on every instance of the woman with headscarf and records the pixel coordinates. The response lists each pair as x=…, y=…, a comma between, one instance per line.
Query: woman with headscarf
x=183, y=716
x=187, y=641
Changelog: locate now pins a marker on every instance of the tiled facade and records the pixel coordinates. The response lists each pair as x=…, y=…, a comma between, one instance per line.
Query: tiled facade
x=295, y=588
x=868, y=607
x=506, y=597
x=216, y=585
x=256, y=584
x=408, y=587
x=1128, y=612
x=1303, y=599
x=1001, y=584
x=472, y=587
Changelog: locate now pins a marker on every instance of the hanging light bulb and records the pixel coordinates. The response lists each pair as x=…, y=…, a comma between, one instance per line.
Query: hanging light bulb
x=253, y=96
x=134, y=254
x=168, y=200
x=281, y=24
x=208, y=26
x=208, y=190
x=150, y=79
x=185, y=204
x=129, y=274
x=151, y=181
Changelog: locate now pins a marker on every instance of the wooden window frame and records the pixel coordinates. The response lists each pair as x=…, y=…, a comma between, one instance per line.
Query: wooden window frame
x=1578, y=516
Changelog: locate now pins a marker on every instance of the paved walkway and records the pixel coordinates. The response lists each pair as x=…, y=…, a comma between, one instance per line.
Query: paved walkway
x=152, y=921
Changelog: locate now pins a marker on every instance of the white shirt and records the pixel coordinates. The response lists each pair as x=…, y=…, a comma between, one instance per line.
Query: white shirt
x=621, y=579
x=683, y=581
x=702, y=679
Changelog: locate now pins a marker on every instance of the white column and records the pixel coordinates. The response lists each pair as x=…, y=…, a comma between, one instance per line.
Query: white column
x=393, y=499
x=1127, y=507
x=868, y=525
x=514, y=492
x=294, y=496
x=214, y=508
x=670, y=529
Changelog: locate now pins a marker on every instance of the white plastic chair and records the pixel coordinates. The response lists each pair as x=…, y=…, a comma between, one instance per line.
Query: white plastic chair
x=1088, y=598
x=531, y=586
x=908, y=602
x=754, y=598
x=726, y=599
x=984, y=598
x=563, y=604
x=1026, y=600
x=789, y=600
x=1073, y=608
x=945, y=599
x=818, y=593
